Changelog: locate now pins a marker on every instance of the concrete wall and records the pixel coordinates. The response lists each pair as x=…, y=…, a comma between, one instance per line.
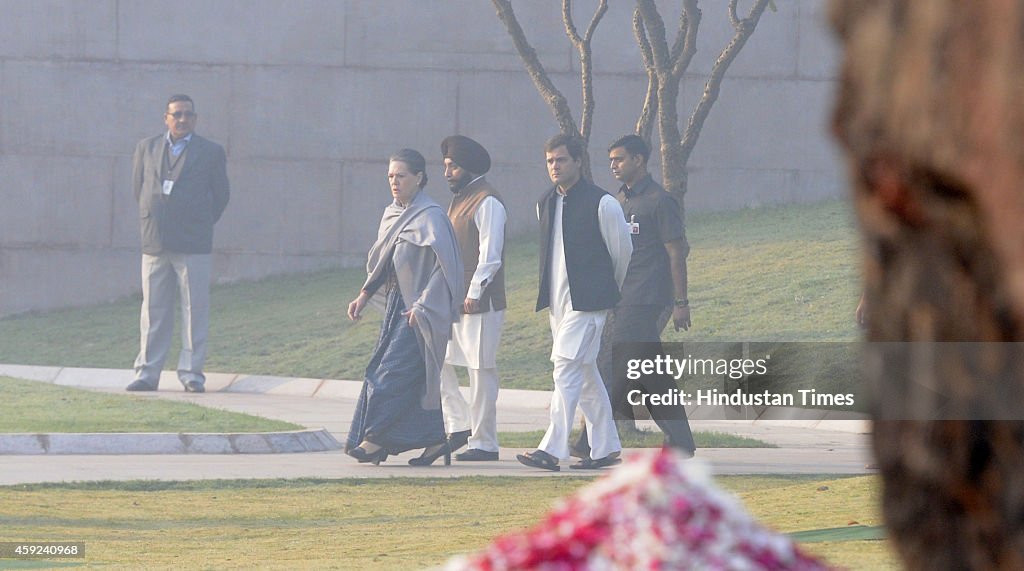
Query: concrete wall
x=310, y=96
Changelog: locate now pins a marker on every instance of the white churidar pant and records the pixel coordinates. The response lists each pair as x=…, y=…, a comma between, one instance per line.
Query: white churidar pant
x=474, y=343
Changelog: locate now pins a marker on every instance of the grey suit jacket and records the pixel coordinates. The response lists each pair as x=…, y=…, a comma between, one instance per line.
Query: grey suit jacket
x=182, y=222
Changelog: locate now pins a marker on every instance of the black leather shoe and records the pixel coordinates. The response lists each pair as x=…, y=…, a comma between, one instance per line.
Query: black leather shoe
x=139, y=385
x=476, y=455
x=194, y=387
x=458, y=439
x=592, y=464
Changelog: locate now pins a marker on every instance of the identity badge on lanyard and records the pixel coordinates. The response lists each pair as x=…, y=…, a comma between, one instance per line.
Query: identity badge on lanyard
x=634, y=226
x=171, y=167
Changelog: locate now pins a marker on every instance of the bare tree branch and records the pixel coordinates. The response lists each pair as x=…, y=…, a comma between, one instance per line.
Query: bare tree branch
x=690, y=21
x=656, y=32
x=680, y=42
x=714, y=83
x=570, y=27
x=665, y=68
x=601, y=9
x=586, y=60
x=641, y=39
x=554, y=98
x=645, y=122
x=673, y=169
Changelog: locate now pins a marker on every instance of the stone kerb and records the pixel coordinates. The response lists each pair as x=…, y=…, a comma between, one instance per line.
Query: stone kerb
x=315, y=440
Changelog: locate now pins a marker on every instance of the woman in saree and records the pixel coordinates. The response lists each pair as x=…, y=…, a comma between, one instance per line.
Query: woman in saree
x=415, y=270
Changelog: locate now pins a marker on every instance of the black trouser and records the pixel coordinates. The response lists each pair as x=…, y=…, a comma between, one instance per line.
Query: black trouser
x=643, y=324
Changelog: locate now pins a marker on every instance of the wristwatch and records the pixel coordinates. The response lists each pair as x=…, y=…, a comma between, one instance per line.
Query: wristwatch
x=682, y=302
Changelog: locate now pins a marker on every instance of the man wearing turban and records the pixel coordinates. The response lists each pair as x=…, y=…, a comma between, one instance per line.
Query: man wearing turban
x=478, y=215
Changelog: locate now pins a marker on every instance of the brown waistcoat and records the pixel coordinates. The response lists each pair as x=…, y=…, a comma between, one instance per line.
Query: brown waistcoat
x=461, y=211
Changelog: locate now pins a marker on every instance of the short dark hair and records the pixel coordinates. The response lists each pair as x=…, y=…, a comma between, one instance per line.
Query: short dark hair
x=180, y=97
x=634, y=145
x=572, y=143
x=413, y=160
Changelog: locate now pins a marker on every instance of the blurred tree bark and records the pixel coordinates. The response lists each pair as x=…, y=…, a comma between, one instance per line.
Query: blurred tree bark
x=930, y=115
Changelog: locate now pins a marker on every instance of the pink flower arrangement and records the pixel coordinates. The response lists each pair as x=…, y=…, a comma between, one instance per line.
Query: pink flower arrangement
x=655, y=512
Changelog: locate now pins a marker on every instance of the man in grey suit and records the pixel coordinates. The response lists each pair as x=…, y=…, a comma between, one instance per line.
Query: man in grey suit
x=181, y=184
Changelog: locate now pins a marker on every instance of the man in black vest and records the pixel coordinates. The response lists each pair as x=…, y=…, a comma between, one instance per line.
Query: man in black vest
x=181, y=184
x=584, y=252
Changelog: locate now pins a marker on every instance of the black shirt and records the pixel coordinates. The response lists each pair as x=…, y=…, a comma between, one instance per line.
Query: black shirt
x=654, y=219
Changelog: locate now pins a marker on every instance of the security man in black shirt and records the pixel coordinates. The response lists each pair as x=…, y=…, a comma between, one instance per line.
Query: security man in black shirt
x=655, y=280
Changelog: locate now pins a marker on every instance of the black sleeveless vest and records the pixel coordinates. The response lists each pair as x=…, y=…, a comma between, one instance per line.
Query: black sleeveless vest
x=592, y=284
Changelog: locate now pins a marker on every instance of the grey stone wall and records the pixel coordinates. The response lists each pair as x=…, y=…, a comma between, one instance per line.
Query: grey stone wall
x=310, y=96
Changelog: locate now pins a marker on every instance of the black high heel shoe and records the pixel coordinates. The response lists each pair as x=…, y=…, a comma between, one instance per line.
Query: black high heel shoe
x=364, y=457
x=459, y=439
x=427, y=458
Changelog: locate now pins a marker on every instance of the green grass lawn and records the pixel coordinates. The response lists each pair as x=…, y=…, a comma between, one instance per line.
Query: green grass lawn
x=781, y=274
x=390, y=524
x=775, y=274
x=34, y=407
x=30, y=406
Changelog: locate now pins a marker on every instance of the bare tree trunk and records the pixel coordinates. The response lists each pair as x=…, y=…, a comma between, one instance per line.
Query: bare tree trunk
x=668, y=67
x=929, y=112
x=582, y=44
x=665, y=68
x=743, y=28
x=552, y=96
x=673, y=162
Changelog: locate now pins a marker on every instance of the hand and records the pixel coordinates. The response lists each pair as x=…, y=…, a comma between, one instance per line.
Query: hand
x=355, y=308
x=861, y=313
x=411, y=314
x=471, y=305
x=681, y=318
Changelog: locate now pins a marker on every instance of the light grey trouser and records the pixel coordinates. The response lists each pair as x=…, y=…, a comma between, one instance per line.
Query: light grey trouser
x=162, y=276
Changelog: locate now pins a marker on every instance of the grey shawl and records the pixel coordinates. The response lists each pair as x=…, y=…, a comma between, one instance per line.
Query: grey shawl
x=418, y=240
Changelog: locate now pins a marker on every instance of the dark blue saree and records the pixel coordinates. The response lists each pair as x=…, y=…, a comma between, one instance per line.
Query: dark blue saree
x=389, y=411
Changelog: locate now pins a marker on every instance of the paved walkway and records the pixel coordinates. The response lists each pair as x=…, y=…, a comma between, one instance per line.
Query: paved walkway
x=815, y=445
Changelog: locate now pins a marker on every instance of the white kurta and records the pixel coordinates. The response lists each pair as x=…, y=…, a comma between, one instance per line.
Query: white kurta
x=576, y=340
x=474, y=342
x=569, y=328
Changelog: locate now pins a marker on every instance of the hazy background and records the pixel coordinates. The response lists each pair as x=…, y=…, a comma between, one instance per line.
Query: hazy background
x=310, y=96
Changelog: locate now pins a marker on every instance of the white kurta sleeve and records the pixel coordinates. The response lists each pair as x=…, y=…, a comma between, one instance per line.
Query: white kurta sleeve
x=490, y=222
x=615, y=232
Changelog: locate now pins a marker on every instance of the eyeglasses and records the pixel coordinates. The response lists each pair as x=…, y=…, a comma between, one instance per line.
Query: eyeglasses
x=185, y=114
